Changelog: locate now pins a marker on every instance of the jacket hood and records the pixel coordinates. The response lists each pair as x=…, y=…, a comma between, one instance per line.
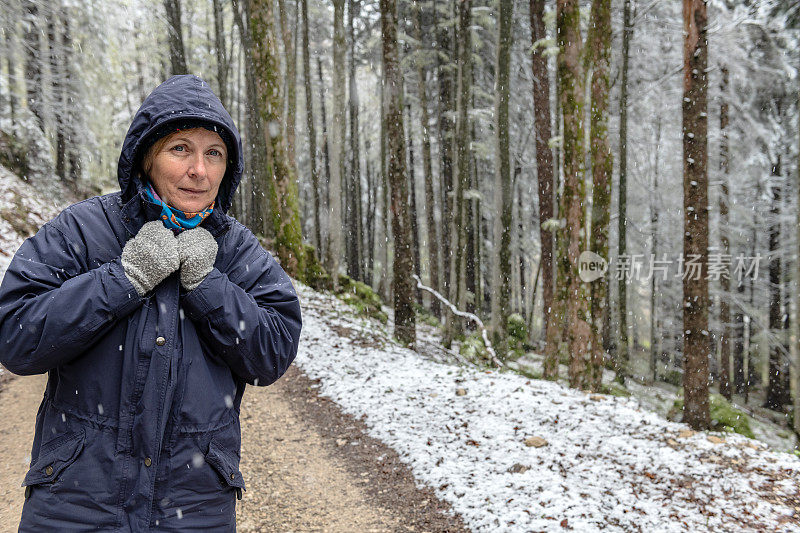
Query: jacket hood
x=180, y=98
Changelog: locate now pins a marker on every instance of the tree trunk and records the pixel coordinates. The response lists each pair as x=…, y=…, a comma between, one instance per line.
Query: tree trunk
x=177, y=54
x=696, y=345
x=384, y=286
x=571, y=238
x=724, y=314
x=404, y=318
x=544, y=154
x=534, y=289
x=356, y=164
x=33, y=66
x=457, y=287
x=257, y=204
x=430, y=204
x=223, y=62
x=285, y=215
x=74, y=116
x=555, y=332
x=752, y=329
x=518, y=247
x=777, y=394
x=796, y=366
x=738, y=342
x=784, y=336
x=476, y=232
x=445, y=105
x=11, y=62
x=325, y=149
x=337, y=148
x=353, y=201
x=372, y=202
x=503, y=202
x=599, y=58
x=245, y=107
x=235, y=56
x=473, y=232
x=412, y=198
x=312, y=132
x=621, y=363
x=58, y=101
x=655, y=337
x=290, y=56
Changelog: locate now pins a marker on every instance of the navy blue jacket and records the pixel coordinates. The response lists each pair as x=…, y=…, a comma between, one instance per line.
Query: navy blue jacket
x=139, y=429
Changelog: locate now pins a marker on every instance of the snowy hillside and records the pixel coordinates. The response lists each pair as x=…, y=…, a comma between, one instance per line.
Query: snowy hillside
x=23, y=209
x=513, y=454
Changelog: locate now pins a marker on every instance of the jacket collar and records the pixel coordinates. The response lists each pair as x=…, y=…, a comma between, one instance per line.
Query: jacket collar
x=138, y=210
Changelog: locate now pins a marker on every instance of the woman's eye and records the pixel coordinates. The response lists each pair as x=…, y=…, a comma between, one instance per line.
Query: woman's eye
x=215, y=153
x=179, y=148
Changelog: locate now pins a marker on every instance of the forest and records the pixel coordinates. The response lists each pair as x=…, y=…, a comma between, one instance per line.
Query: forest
x=611, y=185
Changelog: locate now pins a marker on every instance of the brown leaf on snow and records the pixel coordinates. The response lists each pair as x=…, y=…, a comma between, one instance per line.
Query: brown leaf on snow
x=518, y=468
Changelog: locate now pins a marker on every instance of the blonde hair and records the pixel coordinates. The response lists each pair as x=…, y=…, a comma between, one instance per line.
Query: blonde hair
x=150, y=155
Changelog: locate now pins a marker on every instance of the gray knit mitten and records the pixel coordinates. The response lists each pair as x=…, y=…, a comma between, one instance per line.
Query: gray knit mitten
x=198, y=251
x=150, y=256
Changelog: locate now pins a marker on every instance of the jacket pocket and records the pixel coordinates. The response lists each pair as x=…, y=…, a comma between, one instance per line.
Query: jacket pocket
x=227, y=466
x=54, y=457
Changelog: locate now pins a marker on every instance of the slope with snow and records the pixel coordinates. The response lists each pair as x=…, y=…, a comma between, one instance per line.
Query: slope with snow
x=22, y=211
x=608, y=464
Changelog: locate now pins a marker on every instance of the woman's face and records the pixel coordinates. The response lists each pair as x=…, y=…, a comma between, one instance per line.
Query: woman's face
x=188, y=167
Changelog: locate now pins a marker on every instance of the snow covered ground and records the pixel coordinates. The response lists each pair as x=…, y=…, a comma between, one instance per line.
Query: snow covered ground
x=603, y=462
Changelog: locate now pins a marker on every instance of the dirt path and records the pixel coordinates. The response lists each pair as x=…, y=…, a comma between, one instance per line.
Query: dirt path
x=19, y=400
x=307, y=466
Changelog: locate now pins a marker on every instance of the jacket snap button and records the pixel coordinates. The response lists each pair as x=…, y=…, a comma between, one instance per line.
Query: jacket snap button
x=161, y=341
x=49, y=470
x=233, y=475
x=147, y=460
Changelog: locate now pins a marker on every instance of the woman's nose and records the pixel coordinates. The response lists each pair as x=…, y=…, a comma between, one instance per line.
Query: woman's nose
x=197, y=166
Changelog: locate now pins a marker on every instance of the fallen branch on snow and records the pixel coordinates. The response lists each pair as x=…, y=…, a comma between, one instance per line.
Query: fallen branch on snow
x=474, y=318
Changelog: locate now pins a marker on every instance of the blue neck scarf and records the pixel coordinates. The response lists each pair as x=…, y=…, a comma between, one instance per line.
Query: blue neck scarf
x=174, y=218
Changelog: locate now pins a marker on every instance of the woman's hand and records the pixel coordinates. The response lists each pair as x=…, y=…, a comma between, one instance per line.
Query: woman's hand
x=197, y=250
x=150, y=256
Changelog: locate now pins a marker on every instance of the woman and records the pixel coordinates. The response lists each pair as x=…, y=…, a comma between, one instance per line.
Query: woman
x=150, y=309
